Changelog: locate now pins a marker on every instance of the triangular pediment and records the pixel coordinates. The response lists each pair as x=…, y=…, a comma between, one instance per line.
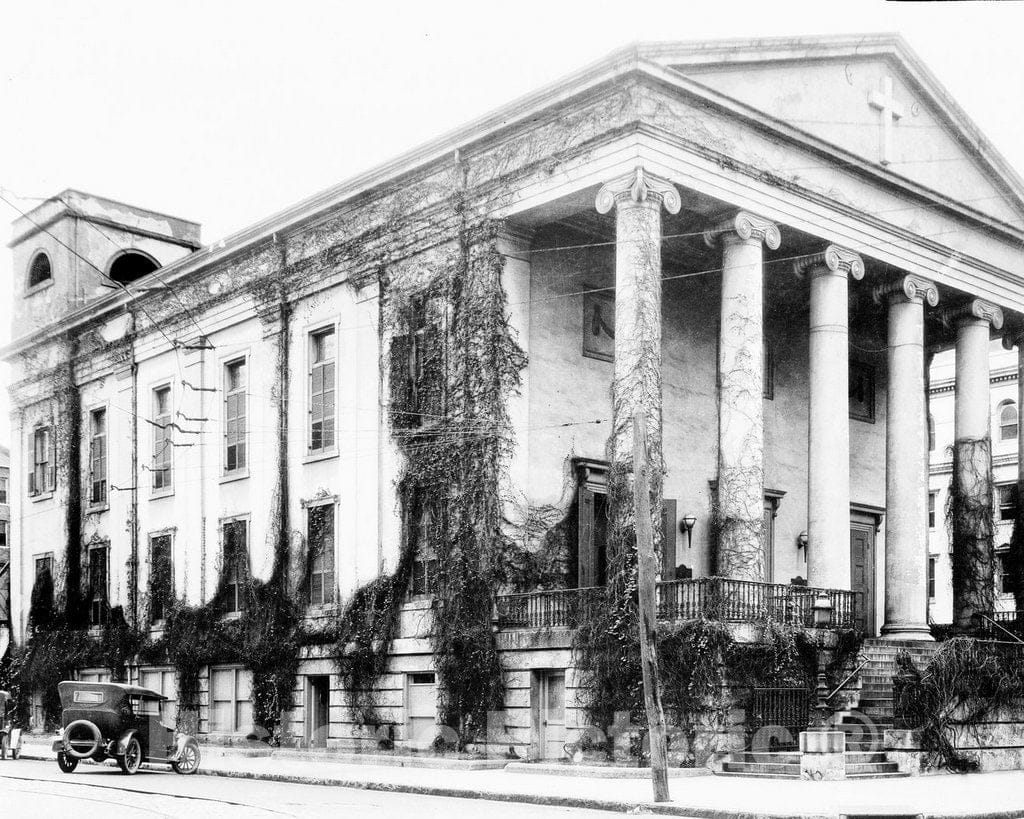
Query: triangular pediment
x=841, y=91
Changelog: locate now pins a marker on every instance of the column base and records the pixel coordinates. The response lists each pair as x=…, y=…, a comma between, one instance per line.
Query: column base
x=917, y=632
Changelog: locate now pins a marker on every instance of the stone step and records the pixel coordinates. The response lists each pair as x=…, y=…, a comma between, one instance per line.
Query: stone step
x=767, y=757
x=893, y=775
x=762, y=768
x=756, y=775
x=871, y=768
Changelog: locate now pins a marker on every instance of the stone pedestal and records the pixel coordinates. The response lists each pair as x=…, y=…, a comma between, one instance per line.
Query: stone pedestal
x=740, y=499
x=822, y=755
x=906, y=466
x=828, y=463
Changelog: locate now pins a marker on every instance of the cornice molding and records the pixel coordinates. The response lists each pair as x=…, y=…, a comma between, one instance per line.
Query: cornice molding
x=836, y=259
x=747, y=227
x=638, y=186
x=974, y=310
x=910, y=288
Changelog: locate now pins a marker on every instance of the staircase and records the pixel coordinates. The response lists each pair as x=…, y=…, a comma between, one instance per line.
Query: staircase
x=864, y=728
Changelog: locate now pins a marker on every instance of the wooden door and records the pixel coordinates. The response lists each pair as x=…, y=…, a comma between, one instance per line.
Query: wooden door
x=552, y=704
x=862, y=574
x=421, y=709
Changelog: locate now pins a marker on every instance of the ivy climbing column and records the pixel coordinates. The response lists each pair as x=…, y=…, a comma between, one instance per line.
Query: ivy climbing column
x=638, y=199
x=828, y=447
x=740, y=503
x=906, y=461
x=971, y=490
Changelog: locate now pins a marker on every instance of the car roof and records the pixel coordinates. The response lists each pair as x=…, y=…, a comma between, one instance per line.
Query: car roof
x=131, y=690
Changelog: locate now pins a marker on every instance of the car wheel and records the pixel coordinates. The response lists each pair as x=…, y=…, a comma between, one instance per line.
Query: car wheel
x=131, y=760
x=188, y=762
x=67, y=763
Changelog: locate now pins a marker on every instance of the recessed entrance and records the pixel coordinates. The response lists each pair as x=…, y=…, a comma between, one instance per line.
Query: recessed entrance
x=318, y=699
x=862, y=570
x=549, y=713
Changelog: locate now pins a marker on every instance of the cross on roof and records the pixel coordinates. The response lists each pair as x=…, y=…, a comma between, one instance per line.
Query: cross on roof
x=890, y=111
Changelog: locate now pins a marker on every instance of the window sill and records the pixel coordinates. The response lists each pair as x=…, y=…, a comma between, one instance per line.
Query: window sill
x=38, y=288
x=231, y=615
x=41, y=496
x=326, y=455
x=230, y=477
x=161, y=493
x=97, y=509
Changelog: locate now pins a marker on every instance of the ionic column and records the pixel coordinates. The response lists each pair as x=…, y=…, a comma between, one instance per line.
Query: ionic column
x=740, y=399
x=906, y=461
x=638, y=199
x=828, y=445
x=972, y=511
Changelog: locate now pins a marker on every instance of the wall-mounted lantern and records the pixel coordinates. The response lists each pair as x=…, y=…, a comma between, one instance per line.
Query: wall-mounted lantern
x=801, y=542
x=686, y=525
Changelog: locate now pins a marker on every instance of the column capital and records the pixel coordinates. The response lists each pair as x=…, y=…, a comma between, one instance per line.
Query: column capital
x=745, y=226
x=834, y=259
x=974, y=310
x=908, y=288
x=638, y=186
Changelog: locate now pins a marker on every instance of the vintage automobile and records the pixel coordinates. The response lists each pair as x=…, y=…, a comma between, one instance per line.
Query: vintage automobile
x=10, y=737
x=122, y=722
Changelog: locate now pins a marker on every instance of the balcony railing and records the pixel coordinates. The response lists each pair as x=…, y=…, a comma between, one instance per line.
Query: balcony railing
x=716, y=598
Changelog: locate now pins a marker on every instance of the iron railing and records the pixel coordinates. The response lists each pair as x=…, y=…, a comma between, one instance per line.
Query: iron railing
x=999, y=625
x=746, y=601
x=546, y=609
x=716, y=598
x=783, y=711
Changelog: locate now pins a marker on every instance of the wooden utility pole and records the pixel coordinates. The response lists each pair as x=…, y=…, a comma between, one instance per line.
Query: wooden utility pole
x=647, y=568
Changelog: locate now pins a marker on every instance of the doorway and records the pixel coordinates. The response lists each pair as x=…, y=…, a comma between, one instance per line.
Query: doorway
x=862, y=571
x=552, y=714
x=318, y=699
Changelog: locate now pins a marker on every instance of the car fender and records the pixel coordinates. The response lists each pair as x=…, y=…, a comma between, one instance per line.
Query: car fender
x=122, y=742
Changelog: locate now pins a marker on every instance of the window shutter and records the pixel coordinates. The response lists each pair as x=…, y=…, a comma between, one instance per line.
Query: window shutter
x=403, y=411
x=668, y=539
x=587, y=570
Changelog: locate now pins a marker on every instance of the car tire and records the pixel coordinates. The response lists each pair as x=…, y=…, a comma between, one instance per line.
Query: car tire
x=131, y=760
x=66, y=763
x=188, y=762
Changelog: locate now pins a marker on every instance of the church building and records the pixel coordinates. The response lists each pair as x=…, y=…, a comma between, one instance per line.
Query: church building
x=394, y=422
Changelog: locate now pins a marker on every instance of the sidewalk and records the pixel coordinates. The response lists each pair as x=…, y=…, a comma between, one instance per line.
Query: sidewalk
x=977, y=795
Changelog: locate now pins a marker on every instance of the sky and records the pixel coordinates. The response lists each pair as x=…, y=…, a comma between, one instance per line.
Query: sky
x=224, y=112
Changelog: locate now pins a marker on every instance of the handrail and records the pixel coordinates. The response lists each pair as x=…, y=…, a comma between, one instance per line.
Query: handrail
x=849, y=677
x=1001, y=628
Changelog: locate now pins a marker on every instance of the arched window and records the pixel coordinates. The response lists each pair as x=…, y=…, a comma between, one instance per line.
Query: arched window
x=1007, y=421
x=39, y=270
x=130, y=266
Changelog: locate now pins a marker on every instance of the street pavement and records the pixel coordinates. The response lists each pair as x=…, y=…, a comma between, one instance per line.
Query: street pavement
x=31, y=788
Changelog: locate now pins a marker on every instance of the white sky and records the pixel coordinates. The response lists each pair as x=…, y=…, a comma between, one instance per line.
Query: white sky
x=224, y=112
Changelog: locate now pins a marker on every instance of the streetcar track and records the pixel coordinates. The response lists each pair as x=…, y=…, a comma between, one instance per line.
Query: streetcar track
x=123, y=789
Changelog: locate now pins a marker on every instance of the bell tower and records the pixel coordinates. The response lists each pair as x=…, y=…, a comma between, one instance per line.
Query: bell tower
x=76, y=247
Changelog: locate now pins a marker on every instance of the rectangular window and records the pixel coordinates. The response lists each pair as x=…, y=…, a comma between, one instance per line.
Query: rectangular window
x=3, y=489
x=44, y=565
x=161, y=577
x=320, y=531
x=1007, y=501
x=931, y=578
x=163, y=681
x=98, y=457
x=99, y=584
x=862, y=391
x=163, y=439
x=1004, y=575
x=3, y=534
x=43, y=477
x=230, y=705
x=931, y=509
x=424, y=566
x=234, y=416
x=236, y=564
x=321, y=390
